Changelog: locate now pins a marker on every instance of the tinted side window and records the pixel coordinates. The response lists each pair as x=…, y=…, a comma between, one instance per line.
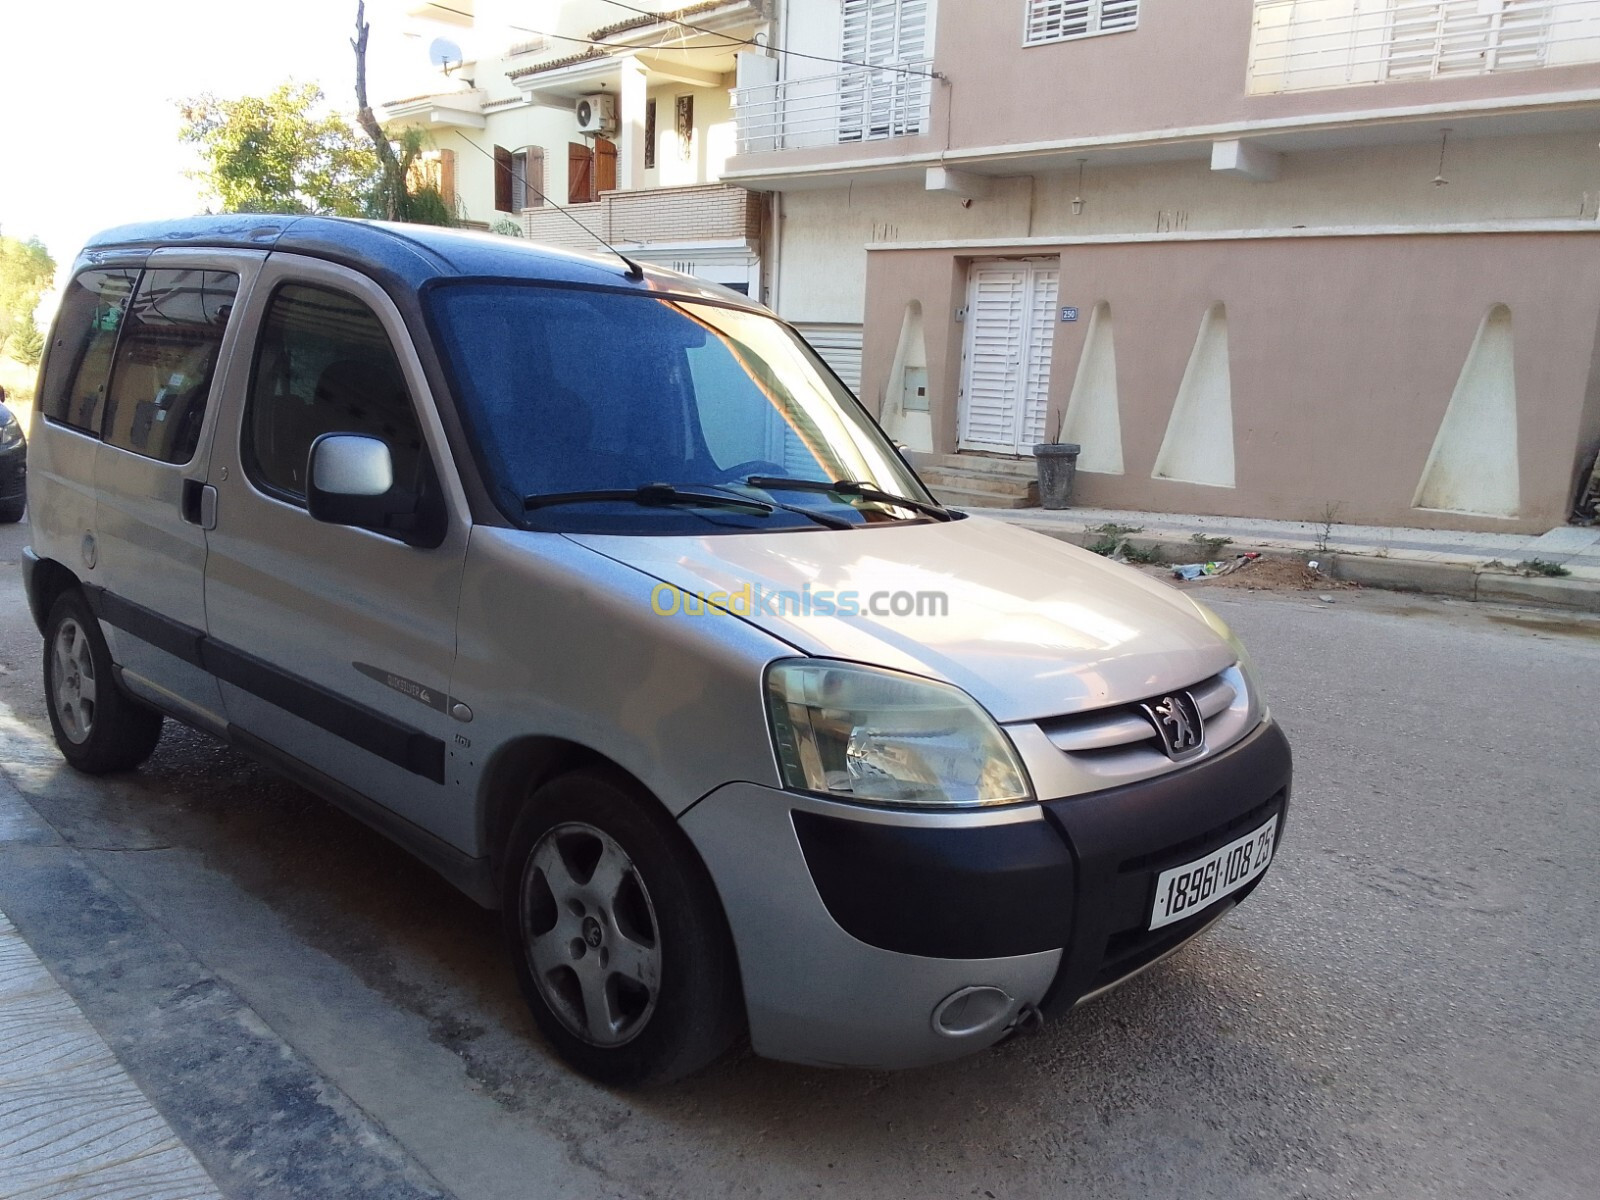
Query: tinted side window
x=324, y=365
x=165, y=361
x=85, y=337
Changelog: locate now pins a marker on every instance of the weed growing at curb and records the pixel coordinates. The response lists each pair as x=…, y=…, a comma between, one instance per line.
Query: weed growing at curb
x=1111, y=539
x=1325, y=524
x=1540, y=566
x=1151, y=557
x=1210, y=546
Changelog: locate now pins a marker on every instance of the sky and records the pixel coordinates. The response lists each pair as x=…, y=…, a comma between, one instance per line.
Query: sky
x=89, y=90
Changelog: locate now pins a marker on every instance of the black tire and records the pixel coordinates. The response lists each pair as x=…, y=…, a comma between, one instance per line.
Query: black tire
x=11, y=510
x=98, y=728
x=664, y=909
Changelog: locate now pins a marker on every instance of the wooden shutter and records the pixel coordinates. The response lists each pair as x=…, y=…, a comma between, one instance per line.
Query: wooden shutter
x=533, y=158
x=502, y=179
x=519, y=181
x=580, y=173
x=605, y=165
x=447, y=178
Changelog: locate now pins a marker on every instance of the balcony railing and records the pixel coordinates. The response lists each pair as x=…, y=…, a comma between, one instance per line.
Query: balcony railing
x=859, y=104
x=1302, y=44
x=704, y=212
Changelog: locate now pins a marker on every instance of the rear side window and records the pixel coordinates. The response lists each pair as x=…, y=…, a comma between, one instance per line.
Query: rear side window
x=166, y=360
x=324, y=365
x=84, y=340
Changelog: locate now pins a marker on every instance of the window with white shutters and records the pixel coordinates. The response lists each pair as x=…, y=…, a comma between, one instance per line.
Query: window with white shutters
x=1431, y=38
x=1060, y=20
x=892, y=102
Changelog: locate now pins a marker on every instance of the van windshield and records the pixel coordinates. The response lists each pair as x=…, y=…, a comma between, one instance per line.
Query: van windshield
x=661, y=404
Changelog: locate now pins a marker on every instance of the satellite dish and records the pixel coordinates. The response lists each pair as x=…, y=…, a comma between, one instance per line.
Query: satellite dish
x=442, y=52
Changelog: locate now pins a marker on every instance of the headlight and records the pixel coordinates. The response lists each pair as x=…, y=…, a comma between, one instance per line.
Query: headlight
x=1252, y=682
x=880, y=737
x=10, y=433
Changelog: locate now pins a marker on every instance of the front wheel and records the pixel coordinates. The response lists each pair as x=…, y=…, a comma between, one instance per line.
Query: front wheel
x=97, y=728
x=11, y=510
x=617, y=934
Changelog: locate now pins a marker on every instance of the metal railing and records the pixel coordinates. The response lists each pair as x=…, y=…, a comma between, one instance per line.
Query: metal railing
x=1302, y=44
x=858, y=104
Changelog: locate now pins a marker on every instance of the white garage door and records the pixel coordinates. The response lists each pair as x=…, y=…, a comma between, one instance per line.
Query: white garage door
x=840, y=348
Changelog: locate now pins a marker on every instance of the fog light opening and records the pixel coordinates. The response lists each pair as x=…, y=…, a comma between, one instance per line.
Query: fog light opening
x=972, y=1011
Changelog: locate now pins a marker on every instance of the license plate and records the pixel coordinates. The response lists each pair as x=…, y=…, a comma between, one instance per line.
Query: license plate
x=1184, y=891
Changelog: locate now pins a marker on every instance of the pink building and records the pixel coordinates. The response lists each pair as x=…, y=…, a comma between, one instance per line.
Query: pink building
x=1256, y=256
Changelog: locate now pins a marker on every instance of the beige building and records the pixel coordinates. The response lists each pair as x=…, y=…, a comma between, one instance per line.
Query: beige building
x=618, y=117
x=1267, y=257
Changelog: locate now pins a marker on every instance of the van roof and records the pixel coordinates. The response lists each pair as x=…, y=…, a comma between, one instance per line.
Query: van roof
x=408, y=254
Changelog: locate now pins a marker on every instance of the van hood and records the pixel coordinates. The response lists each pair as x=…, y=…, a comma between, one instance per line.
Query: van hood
x=1032, y=627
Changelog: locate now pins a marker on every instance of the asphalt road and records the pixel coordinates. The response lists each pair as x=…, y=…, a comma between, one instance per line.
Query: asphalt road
x=1407, y=1007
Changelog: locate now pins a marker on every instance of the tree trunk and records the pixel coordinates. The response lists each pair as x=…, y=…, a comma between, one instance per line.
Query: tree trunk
x=393, y=179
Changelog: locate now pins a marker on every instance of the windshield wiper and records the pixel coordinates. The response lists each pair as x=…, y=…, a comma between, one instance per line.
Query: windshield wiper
x=652, y=495
x=847, y=487
x=827, y=520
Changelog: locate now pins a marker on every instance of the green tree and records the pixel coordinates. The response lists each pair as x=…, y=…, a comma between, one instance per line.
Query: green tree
x=26, y=271
x=281, y=153
x=27, y=343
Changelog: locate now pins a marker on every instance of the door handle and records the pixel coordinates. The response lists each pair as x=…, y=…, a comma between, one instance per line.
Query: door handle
x=199, y=503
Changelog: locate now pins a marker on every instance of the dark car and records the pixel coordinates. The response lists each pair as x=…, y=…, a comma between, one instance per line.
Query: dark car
x=13, y=467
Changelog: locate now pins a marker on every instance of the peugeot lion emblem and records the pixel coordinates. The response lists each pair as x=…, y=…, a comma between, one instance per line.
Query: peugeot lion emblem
x=1177, y=719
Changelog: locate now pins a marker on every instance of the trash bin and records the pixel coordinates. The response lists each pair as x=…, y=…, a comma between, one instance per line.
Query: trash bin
x=1058, y=469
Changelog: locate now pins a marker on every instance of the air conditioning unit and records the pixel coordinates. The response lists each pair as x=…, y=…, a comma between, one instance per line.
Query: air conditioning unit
x=597, y=113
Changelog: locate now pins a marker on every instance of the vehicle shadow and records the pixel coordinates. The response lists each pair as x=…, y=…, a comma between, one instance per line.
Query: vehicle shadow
x=1190, y=1073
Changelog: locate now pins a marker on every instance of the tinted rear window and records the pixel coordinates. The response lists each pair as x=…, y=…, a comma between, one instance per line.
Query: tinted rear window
x=81, y=347
x=165, y=361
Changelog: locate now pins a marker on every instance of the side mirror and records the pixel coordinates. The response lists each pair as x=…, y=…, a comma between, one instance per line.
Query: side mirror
x=350, y=481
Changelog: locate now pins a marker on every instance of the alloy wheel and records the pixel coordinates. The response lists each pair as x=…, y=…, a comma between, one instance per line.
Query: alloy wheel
x=73, y=681
x=591, y=935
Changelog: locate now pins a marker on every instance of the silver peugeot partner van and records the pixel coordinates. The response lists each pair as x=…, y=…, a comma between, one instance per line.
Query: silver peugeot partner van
x=592, y=586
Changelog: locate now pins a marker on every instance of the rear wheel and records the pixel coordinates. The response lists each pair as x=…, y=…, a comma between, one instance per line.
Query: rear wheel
x=97, y=728
x=617, y=934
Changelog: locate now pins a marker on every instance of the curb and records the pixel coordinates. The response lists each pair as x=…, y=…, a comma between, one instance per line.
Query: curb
x=1463, y=580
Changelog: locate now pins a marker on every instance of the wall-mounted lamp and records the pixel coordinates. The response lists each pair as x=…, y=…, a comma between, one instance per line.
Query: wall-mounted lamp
x=1077, y=200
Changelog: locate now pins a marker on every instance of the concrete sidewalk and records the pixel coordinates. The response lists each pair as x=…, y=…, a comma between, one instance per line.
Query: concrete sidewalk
x=73, y=1124
x=1472, y=566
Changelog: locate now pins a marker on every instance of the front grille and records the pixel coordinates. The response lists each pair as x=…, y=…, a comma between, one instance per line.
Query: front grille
x=1114, y=729
x=1129, y=949
x=1190, y=848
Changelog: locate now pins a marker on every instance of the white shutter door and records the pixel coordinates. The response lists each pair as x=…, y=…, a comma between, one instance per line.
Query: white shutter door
x=1041, y=344
x=997, y=312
